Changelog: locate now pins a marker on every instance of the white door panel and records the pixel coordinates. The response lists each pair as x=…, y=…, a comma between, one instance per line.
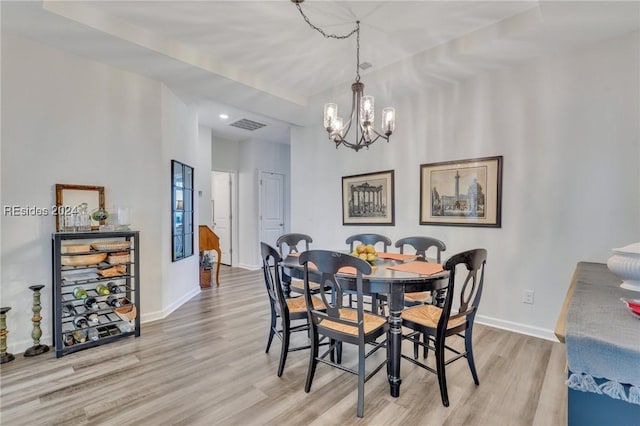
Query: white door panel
x=271, y=207
x=222, y=214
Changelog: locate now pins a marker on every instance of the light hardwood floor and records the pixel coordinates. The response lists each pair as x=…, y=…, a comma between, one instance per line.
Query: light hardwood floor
x=205, y=364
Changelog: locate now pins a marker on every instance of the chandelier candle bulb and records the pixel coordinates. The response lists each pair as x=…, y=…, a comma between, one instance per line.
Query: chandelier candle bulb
x=330, y=115
x=388, y=120
x=367, y=111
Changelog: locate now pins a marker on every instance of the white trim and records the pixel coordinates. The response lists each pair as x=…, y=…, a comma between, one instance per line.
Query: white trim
x=249, y=267
x=153, y=316
x=541, y=333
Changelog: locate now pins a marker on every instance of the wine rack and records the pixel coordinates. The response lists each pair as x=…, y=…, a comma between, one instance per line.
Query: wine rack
x=96, y=291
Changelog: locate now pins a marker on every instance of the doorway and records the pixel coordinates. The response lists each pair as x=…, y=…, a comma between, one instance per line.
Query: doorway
x=222, y=207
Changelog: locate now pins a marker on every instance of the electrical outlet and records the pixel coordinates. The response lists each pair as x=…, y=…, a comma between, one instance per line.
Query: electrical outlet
x=527, y=296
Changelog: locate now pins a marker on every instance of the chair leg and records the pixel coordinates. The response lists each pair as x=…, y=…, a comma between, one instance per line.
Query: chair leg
x=361, y=373
x=469, y=348
x=339, y=353
x=442, y=379
x=313, y=362
x=284, y=350
x=272, y=331
x=425, y=339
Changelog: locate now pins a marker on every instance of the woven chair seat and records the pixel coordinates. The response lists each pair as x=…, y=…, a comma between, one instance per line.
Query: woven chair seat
x=297, y=304
x=299, y=285
x=419, y=297
x=371, y=322
x=428, y=315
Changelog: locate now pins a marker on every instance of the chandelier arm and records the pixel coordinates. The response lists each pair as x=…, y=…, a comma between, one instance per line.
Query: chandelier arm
x=380, y=135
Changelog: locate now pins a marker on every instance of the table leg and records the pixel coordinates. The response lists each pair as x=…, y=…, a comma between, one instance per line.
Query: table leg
x=394, y=340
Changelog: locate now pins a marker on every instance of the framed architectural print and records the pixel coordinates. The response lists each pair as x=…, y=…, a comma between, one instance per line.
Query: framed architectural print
x=462, y=193
x=367, y=199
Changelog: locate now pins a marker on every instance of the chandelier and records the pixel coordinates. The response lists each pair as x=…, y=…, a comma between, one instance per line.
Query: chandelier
x=362, y=107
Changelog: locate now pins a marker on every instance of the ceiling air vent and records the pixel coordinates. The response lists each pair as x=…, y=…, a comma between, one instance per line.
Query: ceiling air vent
x=247, y=124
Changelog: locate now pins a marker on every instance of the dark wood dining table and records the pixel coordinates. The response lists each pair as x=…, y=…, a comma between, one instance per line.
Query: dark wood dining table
x=394, y=284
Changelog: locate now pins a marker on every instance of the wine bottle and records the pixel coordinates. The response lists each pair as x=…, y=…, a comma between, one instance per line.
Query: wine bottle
x=91, y=303
x=93, y=318
x=80, y=293
x=69, y=309
x=102, y=290
x=113, y=301
x=113, y=287
x=80, y=336
x=80, y=322
x=93, y=335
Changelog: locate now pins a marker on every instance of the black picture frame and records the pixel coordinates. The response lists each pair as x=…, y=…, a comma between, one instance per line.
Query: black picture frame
x=462, y=193
x=182, y=227
x=368, y=199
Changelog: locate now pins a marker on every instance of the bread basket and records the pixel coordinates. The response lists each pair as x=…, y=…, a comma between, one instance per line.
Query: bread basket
x=83, y=259
x=111, y=245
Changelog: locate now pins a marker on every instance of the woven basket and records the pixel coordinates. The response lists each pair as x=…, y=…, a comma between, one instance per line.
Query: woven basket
x=118, y=258
x=114, y=271
x=127, y=313
x=111, y=245
x=75, y=248
x=83, y=259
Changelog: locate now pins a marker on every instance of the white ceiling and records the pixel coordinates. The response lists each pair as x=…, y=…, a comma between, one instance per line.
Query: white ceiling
x=259, y=60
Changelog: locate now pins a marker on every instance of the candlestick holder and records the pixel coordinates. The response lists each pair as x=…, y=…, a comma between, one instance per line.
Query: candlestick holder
x=4, y=355
x=37, y=348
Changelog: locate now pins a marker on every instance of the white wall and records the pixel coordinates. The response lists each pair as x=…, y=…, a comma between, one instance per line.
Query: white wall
x=568, y=129
x=203, y=177
x=69, y=120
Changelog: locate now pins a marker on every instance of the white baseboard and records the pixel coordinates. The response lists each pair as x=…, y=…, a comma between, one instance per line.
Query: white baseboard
x=249, y=267
x=153, y=316
x=541, y=333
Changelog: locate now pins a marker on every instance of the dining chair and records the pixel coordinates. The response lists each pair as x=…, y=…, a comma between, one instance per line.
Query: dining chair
x=378, y=300
x=421, y=245
x=365, y=239
x=288, y=244
x=338, y=323
x=285, y=309
x=436, y=324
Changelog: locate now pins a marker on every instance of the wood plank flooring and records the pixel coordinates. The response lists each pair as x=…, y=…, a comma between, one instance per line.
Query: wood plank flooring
x=205, y=365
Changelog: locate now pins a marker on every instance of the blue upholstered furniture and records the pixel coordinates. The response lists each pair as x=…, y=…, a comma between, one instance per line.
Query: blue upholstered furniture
x=603, y=349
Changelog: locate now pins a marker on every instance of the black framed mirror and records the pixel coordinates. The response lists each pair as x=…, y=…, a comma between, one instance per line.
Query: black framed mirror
x=181, y=210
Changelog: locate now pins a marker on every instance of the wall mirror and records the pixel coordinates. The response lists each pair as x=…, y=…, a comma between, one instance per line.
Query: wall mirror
x=69, y=197
x=181, y=210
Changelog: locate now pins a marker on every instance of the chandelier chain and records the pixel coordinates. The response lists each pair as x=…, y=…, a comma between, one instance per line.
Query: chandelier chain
x=321, y=31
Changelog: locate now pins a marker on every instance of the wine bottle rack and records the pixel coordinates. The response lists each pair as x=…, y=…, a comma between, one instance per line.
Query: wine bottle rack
x=104, y=323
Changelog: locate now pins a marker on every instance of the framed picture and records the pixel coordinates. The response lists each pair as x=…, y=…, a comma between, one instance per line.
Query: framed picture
x=462, y=193
x=367, y=199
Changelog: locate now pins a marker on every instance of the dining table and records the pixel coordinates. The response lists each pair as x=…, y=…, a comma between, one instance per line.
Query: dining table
x=393, y=274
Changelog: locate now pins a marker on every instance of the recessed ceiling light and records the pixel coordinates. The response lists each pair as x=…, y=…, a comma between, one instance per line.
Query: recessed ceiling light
x=223, y=116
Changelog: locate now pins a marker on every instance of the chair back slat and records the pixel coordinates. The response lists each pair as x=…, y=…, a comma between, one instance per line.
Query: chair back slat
x=372, y=239
x=272, y=272
x=469, y=297
x=421, y=245
x=328, y=263
x=288, y=243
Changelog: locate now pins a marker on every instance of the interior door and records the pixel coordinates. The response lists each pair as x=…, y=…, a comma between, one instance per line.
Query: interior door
x=271, y=207
x=222, y=215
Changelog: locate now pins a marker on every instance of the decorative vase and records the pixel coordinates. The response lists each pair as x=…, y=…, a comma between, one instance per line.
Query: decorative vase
x=625, y=263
